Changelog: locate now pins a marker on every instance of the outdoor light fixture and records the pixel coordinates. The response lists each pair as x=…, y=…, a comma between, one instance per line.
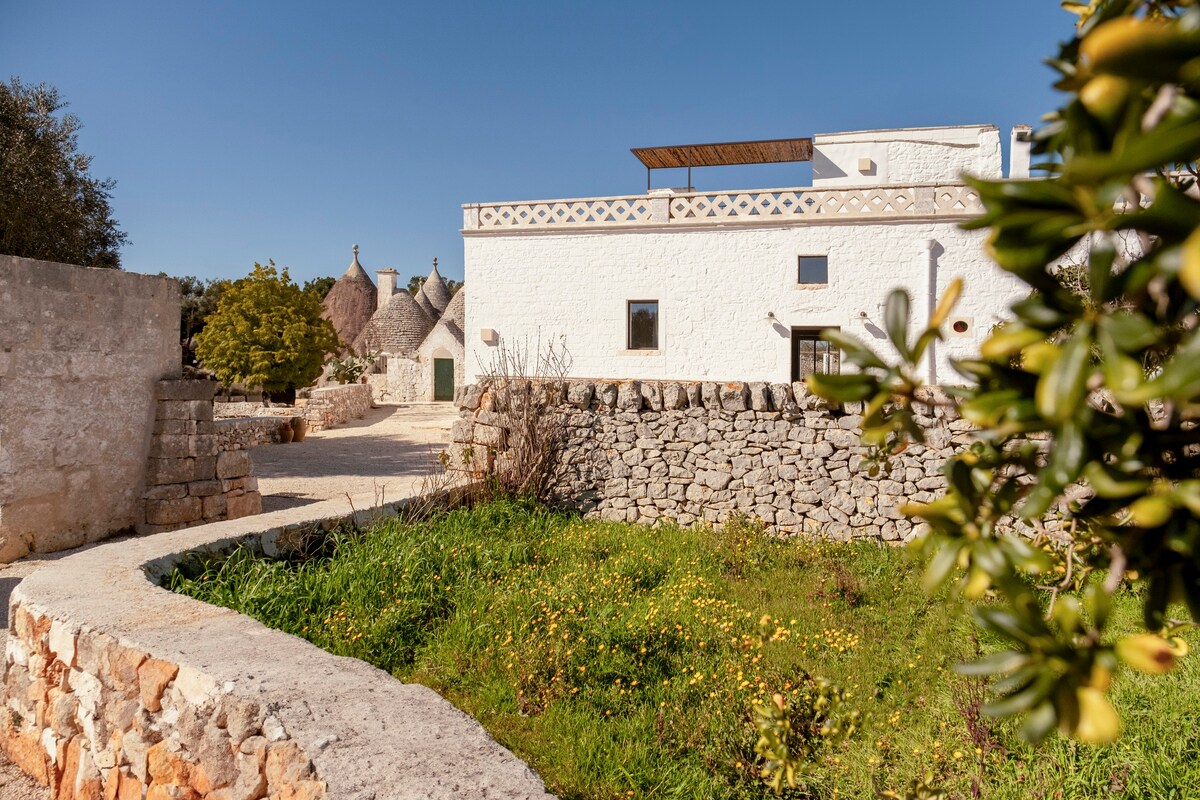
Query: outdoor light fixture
x=865, y=165
x=489, y=336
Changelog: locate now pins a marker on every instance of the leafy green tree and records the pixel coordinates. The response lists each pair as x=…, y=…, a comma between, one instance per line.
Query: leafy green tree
x=51, y=208
x=266, y=331
x=1061, y=394
x=319, y=287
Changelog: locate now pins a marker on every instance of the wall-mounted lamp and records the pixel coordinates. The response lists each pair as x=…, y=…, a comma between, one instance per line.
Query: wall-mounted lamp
x=489, y=336
x=865, y=165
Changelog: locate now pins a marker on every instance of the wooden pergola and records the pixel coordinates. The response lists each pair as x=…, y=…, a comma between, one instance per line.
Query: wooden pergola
x=722, y=154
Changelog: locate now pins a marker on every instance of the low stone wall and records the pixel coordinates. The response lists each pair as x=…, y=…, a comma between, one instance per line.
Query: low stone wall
x=335, y=405
x=244, y=433
x=190, y=479
x=129, y=691
x=640, y=451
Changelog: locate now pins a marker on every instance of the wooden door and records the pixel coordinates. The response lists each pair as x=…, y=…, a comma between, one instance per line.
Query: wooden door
x=443, y=379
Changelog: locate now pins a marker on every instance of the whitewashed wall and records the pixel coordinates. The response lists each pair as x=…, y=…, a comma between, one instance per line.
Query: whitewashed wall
x=911, y=155
x=715, y=287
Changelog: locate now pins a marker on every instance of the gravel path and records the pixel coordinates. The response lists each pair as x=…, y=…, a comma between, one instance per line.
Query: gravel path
x=386, y=451
x=389, y=449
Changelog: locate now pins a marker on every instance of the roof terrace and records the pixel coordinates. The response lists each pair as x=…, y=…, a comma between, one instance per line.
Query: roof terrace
x=902, y=174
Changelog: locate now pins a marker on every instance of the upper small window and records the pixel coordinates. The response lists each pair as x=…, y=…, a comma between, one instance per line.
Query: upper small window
x=813, y=269
x=643, y=324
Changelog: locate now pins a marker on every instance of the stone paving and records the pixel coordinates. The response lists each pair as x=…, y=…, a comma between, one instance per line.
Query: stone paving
x=387, y=452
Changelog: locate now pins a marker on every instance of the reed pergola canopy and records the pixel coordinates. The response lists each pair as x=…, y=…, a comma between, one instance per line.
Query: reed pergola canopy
x=722, y=154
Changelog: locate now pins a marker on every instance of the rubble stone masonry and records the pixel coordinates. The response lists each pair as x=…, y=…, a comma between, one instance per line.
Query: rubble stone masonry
x=640, y=451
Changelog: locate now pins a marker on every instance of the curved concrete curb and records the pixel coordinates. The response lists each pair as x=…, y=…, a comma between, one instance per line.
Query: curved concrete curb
x=114, y=685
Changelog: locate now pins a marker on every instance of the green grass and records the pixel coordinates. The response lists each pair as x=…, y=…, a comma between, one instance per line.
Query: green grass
x=622, y=661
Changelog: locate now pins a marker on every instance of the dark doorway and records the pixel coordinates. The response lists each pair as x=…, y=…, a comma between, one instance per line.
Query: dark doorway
x=811, y=353
x=443, y=379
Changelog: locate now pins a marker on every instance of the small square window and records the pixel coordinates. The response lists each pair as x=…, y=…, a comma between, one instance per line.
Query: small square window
x=643, y=324
x=813, y=270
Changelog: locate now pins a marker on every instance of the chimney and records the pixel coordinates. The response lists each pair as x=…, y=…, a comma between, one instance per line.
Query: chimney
x=1018, y=152
x=387, y=285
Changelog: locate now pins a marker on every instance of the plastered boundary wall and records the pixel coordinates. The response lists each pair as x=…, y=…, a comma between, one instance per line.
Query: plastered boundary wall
x=132, y=691
x=639, y=451
x=80, y=353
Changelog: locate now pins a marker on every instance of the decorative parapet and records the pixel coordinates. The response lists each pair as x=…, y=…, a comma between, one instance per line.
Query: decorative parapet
x=663, y=207
x=129, y=691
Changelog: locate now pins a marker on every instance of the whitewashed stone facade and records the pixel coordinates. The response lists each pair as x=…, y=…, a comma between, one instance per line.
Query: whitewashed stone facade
x=885, y=208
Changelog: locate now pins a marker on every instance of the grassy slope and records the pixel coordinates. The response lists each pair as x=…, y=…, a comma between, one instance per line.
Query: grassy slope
x=622, y=661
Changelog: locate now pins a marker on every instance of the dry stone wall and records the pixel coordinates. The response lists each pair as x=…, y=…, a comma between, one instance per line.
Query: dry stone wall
x=93, y=717
x=641, y=451
x=335, y=405
x=190, y=479
x=245, y=433
x=131, y=692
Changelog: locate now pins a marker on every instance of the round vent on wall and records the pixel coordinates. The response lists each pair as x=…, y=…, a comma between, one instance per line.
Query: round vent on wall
x=960, y=326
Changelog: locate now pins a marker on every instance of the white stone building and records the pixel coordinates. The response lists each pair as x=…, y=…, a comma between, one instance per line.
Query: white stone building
x=684, y=285
x=420, y=339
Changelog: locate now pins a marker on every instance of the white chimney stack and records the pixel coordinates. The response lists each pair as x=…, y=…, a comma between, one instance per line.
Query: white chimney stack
x=386, y=284
x=1018, y=153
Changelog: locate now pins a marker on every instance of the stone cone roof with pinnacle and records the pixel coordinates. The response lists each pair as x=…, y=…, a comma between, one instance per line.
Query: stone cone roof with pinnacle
x=436, y=290
x=397, y=328
x=350, y=302
x=426, y=306
x=453, y=319
x=457, y=309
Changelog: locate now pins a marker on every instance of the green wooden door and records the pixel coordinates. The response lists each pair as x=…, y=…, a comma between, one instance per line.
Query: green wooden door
x=443, y=379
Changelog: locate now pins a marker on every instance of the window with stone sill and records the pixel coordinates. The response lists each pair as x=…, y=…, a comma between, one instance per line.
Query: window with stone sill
x=642, y=325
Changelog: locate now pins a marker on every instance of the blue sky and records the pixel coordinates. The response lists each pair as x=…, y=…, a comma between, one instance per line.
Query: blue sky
x=242, y=131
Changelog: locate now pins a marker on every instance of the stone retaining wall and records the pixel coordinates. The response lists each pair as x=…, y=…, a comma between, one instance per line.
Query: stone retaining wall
x=639, y=451
x=323, y=408
x=80, y=353
x=190, y=479
x=336, y=405
x=244, y=433
x=131, y=692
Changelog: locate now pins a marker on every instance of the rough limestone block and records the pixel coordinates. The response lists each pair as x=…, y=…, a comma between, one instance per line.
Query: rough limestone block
x=168, y=492
x=200, y=446
x=734, y=396
x=200, y=410
x=461, y=431
x=652, y=396
x=244, y=505
x=606, y=394
x=710, y=396
x=489, y=436
x=694, y=396
x=175, y=409
x=170, y=446
x=214, y=507
x=629, y=395
x=180, y=511
x=161, y=471
x=233, y=464
x=579, y=394
x=472, y=395
x=203, y=488
x=760, y=396
x=674, y=396
x=185, y=390
x=781, y=396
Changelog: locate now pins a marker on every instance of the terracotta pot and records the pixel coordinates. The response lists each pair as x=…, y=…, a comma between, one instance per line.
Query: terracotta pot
x=299, y=428
x=285, y=433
